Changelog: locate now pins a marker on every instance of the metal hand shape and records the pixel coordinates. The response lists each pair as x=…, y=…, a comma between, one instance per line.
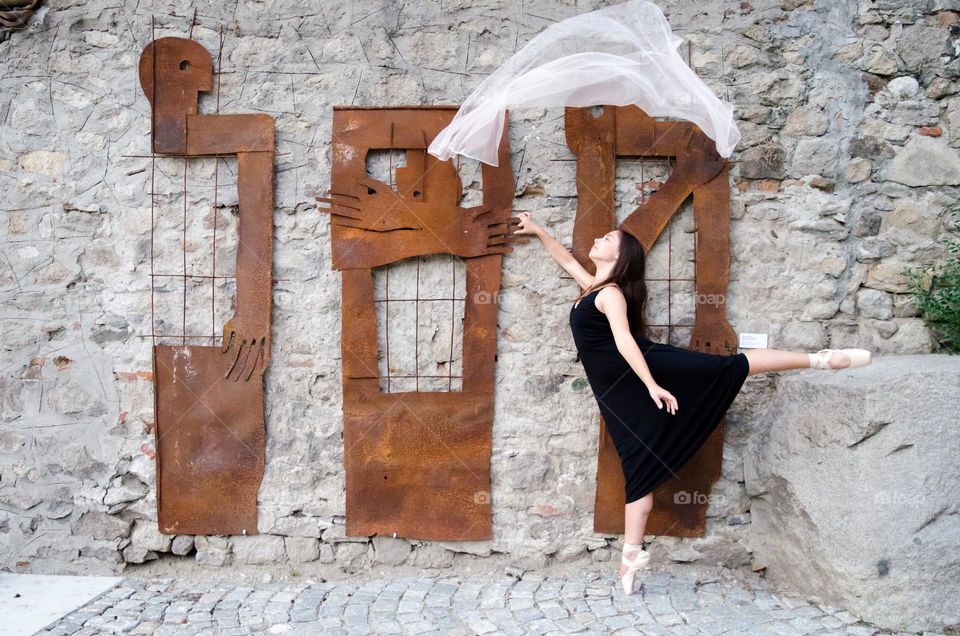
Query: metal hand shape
x=249, y=346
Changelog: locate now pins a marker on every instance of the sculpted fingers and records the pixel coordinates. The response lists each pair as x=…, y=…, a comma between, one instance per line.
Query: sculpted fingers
x=262, y=357
x=228, y=335
x=341, y=205
x=505, y=231
x=265, y=356
x=256, y=364
x=252, y=356
x=505, y=225
x=239, y=350
x=245, y=352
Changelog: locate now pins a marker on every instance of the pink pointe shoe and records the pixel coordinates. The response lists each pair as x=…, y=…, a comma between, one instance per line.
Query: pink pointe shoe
x=640, y=560
x=823, y=358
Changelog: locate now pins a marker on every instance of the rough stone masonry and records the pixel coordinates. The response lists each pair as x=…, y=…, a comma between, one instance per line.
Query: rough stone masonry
x=848, y=161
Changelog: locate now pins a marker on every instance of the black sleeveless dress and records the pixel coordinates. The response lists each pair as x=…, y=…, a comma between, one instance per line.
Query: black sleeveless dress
x=652, y=443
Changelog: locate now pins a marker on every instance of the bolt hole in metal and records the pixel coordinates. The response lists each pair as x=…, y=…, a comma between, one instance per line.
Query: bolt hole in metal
x=184, y=65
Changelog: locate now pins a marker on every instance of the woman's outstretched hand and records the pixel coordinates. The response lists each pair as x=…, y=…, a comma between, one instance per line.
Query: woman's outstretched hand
x=526, y=225
x=661, y=396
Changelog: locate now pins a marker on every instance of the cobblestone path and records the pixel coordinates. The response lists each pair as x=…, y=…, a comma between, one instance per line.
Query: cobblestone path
x=667, y=603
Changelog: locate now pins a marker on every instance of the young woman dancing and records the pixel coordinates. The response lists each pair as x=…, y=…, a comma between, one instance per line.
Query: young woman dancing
x=689, y=391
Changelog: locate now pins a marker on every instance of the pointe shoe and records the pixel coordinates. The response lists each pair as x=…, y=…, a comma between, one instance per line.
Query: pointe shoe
x=821, y=359
x=640, y=560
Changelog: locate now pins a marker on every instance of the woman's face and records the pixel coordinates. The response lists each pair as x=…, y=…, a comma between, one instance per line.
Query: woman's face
x=606, y=247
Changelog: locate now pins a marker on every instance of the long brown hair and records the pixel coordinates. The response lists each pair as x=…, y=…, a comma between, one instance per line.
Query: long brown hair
x=628, y=274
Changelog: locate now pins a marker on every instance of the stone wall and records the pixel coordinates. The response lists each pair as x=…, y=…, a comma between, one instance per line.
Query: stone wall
x=848, y=110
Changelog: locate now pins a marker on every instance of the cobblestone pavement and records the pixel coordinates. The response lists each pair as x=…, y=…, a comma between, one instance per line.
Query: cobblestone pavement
x=667, y=603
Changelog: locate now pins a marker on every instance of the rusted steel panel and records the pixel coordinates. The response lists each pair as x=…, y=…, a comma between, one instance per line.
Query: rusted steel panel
x=229, y=134
x=711, y=203
x=593, y=140
x=210, y=444
x=209, y=400
x=640, y=135
x=598, y=141
x=417, y=463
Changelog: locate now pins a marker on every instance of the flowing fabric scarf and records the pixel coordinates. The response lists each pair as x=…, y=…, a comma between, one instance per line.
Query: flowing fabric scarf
x=619, y=55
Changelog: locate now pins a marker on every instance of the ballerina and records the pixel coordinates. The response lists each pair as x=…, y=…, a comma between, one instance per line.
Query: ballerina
x=689, y=391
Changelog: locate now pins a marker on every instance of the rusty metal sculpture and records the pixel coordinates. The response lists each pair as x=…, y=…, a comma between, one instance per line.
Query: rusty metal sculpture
x=597, y=141
x=208, y=400
x=417, y=463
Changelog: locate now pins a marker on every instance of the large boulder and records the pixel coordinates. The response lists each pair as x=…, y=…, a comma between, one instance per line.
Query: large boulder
x=853, y=480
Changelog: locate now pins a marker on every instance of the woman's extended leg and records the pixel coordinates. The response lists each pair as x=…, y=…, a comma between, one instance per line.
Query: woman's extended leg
x=766, y=360
x=635, y=522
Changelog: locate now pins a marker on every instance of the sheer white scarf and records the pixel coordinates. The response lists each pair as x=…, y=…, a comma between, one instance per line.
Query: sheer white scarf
x=619, y=55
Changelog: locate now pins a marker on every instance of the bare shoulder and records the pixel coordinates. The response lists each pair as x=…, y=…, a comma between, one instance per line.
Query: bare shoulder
x=608, y=297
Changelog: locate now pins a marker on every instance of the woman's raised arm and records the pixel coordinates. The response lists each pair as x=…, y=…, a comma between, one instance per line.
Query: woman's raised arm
x=559, y=253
